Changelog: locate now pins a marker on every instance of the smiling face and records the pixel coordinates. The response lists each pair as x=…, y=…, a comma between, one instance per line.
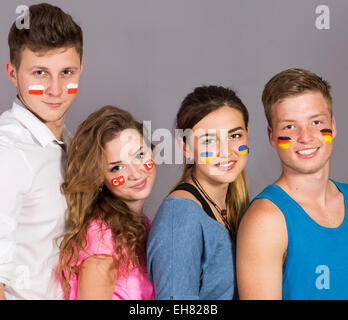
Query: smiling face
x=302, y=132
x=219, y=145
x=130, y=173
x=51, y=75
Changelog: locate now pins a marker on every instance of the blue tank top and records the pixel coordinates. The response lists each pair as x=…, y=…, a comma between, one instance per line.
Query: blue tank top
x=316, y=265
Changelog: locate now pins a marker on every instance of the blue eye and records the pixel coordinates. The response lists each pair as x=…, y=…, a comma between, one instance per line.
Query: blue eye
x=140, y=156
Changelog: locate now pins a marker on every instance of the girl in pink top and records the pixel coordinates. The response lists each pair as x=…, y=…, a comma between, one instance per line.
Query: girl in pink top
x=109, y=175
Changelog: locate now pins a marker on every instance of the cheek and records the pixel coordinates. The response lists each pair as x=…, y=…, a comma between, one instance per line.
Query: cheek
x=283, y=143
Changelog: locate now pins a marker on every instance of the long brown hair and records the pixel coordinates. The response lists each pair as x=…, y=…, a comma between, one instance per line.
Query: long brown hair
x=87, y=199
x=198, y=104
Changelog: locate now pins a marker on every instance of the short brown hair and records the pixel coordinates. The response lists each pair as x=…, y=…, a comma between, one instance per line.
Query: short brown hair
x=50, y=28
x=292, y=82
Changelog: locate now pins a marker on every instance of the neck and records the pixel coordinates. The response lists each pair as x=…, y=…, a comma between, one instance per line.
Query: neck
x=215, y=190
x=305, y=186
x=56, y=127
x=136, y=206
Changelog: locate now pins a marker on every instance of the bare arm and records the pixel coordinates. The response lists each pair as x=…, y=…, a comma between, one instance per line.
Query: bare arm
x=261, y=244
x=97, y=278
x=2, y=292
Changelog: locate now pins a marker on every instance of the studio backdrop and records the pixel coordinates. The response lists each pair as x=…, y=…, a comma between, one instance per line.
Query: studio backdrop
x=146, y=55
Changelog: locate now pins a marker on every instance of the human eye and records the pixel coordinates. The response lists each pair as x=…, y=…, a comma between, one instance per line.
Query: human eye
x=68, y=72
x=116, y=168
x=235, y=136
x=140, y=155
x=208, y=141
x=289, y=127
x=39, y=73
x=317, y=122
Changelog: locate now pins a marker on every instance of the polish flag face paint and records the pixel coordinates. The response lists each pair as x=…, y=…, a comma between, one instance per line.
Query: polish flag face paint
x=206, y=156
x=243, y=149
x=284, y=142
x=119, y=181
x=327, y=134
x=72, y=88
x=36, y=89
x=149, y=165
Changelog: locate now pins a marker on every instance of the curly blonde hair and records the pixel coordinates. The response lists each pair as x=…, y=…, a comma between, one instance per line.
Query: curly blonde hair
x=87, y=199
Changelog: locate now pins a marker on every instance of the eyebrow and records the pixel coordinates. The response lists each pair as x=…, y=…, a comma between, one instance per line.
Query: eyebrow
x=213, y=134
x=117, y=162
x=311, y=117
x=47, y=69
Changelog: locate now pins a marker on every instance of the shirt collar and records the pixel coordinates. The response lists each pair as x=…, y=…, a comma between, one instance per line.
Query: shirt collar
x=36, y=127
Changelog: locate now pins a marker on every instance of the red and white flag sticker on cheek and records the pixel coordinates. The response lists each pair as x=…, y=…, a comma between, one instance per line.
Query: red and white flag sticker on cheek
x=119, y=181
x=36, y=89
x=72, y=88
x=149, y=165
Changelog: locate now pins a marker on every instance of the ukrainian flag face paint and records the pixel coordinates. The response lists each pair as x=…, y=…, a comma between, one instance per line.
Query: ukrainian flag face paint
x=206, y=156
x=327, y=134
x=284, y=142
x=243, y=149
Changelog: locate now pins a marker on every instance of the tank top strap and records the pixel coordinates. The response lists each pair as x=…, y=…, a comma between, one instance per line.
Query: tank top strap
x=193, y=190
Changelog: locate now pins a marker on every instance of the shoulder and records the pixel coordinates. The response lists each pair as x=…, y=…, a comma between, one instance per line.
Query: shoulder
x=180, y=214
x=263, y=217
x=343, y=187
x=99, y=238
x=184, y=195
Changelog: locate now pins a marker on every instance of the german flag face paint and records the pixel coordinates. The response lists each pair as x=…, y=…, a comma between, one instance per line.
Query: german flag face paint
x=243, y=149
x=206, y=156
x=118, y=181
x=72, y=88
x=149, y=165
x=327, y=134
x=36, y=89
x=284, y=142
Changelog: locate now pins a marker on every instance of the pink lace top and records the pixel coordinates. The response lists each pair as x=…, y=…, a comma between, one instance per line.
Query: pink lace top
x=99, y=241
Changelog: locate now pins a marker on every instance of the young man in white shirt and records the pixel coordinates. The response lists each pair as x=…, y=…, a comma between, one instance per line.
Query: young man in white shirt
x=45, y=66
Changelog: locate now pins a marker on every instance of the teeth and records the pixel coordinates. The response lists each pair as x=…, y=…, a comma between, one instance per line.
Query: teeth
x=226, y=164
x=308, y=151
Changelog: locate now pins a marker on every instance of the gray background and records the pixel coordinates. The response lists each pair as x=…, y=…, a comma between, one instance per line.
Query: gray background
x=146, y=55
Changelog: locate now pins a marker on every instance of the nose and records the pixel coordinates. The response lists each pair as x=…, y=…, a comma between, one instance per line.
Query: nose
x=224, y=148
x=134, y=171
x=305, y=135
x=54, y=87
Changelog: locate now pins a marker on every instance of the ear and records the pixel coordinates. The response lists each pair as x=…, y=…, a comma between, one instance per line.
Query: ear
x=270, y=136
x=184, y=148
x=11, y=73
x=82, y=63
x=334, y=129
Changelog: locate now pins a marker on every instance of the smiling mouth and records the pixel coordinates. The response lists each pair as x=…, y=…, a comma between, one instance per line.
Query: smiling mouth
x=228, y=165
x=140, y=185
x=307, y=151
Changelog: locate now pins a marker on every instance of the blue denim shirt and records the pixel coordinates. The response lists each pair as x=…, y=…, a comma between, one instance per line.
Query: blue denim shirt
x=189, y=254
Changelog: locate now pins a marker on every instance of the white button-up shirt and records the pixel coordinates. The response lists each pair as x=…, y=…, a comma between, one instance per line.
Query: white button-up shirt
x=32, y=207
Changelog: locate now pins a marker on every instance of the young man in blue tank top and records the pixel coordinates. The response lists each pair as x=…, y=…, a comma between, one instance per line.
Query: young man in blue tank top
x=292, y=241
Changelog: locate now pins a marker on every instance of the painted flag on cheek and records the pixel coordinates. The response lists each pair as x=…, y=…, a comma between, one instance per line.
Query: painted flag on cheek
x=149, y=165
x=36, y=89
x=118, y=181
x=72, y=88
x=327, y=134
x=243, y=149
x=206, y=156
x=284, y=142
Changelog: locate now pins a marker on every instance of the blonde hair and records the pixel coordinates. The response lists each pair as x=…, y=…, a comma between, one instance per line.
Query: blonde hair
x=196, y=105
x=292, y=82
x=88, y=200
